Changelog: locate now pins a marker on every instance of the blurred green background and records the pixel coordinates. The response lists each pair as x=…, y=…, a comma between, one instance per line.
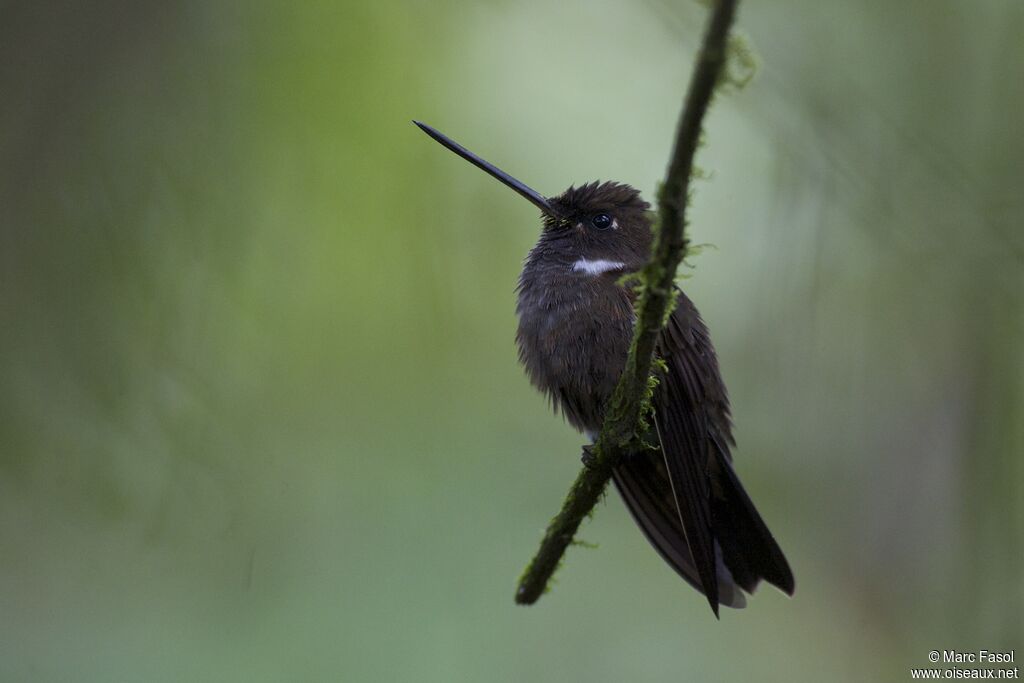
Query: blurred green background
x=260, y=412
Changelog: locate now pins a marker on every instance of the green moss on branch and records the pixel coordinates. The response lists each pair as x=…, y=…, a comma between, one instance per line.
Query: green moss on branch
x=625, y=416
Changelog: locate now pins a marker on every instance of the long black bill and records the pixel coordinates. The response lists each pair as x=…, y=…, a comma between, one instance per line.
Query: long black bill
x=532, y=195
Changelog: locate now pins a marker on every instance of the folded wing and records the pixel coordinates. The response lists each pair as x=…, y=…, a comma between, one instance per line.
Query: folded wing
x=686, y=496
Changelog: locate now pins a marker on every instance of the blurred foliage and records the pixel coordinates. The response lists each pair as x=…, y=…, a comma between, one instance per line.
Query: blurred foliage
x=260, y=414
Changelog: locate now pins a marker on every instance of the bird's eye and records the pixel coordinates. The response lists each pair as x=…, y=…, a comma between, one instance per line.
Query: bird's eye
x=601, y=221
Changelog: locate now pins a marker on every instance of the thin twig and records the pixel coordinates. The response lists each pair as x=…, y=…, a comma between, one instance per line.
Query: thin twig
x=630, y=403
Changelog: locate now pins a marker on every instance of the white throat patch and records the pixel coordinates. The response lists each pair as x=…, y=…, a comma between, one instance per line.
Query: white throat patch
x=596, y=267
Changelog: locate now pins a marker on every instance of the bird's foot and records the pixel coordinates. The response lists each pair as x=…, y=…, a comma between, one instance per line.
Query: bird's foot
x=589, y=457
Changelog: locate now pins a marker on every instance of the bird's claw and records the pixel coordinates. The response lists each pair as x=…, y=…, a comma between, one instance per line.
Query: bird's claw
x=589, y=457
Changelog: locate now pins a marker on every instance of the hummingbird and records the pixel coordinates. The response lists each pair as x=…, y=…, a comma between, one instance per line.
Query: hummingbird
x=576, y=319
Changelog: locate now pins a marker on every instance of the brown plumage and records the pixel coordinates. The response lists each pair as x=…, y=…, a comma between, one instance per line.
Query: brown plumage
x=575, y=326
x=574, y=332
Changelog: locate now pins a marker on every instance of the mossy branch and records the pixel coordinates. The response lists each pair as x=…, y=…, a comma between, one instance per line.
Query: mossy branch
x=627, y=411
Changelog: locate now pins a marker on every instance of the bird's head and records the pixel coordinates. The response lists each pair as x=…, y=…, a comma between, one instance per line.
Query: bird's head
x=598, y=226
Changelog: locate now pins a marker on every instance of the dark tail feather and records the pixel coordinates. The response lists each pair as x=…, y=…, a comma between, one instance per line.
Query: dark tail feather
x=648, y=495
x=748, y=547
x=745, y=550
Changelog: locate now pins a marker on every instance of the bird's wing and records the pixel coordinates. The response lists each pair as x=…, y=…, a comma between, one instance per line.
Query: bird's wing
x=643, y=483
x=686, y=496
x=668, y=491
x=690, y=405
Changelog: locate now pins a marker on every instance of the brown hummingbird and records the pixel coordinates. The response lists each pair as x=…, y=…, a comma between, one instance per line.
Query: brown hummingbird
x=576, y=322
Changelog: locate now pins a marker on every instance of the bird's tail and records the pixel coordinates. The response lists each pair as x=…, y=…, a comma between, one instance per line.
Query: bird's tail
x=748, y=547
x=745, y=551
